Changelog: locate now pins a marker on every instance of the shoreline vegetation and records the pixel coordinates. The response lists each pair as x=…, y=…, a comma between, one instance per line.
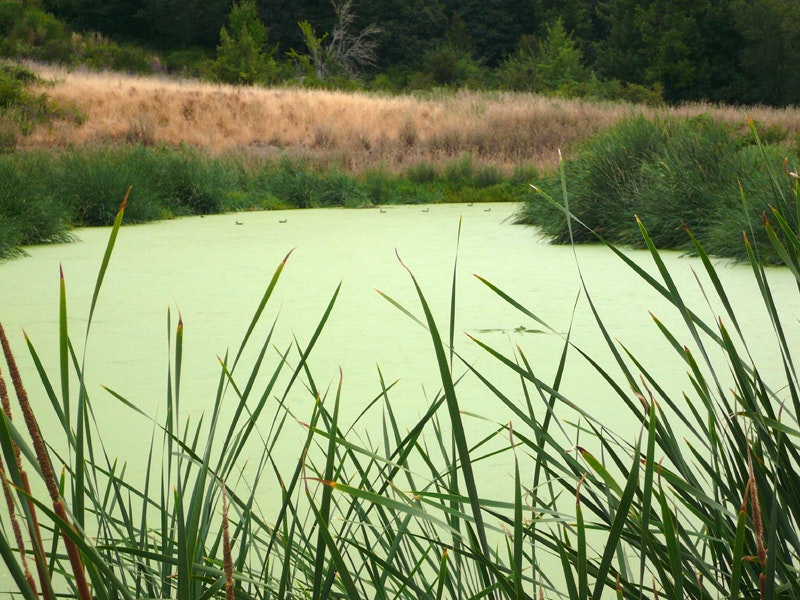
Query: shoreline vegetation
x=702, y=503
x=188, y=147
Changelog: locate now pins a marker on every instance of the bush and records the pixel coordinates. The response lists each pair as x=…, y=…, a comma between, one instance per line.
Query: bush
x=672, y=173
x=34, y=34
x=29, y=213
x=422, y=172
x=243, y=55
x=448, y=66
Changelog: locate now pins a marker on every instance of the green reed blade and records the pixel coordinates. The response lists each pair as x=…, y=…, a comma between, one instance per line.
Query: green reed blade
x=442, y=577
x=738, y=554
x=598, y=468
x=581, y=550
x=566, y=568
x=401, y=308
x=518, y=533
x=342, y=570
x=324, y=512
x=48, y=387
x=459, y=435
x=262, y=304
x=647, y=489
x=63, y=353
x=615, y=531
x=672, y=541
x=9, y=557
x=88, y=553
x=515, y=304
x=453, y=296
x=112, y=238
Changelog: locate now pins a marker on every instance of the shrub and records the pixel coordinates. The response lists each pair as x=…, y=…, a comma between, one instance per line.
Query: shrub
x=29, y=212
x=422, y=172
x=450, y=66
x=672, y=173
x=243, y=55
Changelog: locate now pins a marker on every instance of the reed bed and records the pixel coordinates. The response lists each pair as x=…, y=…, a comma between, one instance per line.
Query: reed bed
x=357, y=130
x=672, y=173
x=702, y=503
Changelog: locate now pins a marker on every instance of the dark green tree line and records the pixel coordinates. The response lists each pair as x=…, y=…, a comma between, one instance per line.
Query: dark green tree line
x=734, y=51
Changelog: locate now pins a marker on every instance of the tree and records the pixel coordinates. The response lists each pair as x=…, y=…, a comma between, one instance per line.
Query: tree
x=409, y=29
x=341, y=52
x=551, y=64
x=243, y=55
x=495, y=26
x=619, y=49
x=770, y=50
x=184, y=23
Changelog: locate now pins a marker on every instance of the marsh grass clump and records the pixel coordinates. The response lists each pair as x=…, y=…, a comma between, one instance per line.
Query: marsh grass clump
x=29, y=212
x=76, y=187
x=673, y=174
x=89, y=182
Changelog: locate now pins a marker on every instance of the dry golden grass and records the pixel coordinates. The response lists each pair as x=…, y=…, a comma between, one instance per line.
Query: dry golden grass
x=355, y=130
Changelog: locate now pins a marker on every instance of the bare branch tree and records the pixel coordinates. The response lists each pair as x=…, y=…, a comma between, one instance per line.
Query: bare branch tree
x=351, y=51
x=344, y=52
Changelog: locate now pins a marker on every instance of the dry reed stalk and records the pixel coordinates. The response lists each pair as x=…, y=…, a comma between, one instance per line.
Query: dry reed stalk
x=758, y=523
x=43, y=458
x=34, y=529
x=12, y=516
x=227, y=558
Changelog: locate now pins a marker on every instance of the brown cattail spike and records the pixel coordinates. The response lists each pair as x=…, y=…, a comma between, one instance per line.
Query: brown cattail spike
x=227, y=558
x=758, y=523
x=43, y=458
x=12, y=516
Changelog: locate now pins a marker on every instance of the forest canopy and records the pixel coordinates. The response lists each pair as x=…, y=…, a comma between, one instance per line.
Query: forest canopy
x=729, y=51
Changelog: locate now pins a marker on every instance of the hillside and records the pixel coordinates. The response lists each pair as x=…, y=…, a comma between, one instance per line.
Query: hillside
x=355, y=130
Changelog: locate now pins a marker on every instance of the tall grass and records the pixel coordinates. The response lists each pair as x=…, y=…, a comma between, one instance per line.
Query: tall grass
x=362, y=130
x=29, y=213
x=671, y=173
x=702, y=503
x=78, y=187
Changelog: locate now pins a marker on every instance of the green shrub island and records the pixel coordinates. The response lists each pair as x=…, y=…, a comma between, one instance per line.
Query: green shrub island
x=673, y=174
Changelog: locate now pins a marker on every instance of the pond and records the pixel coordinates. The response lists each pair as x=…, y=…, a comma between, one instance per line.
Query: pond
x=213, y=271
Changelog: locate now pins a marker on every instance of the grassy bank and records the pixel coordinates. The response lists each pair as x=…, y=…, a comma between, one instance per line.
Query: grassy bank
x=80, y=187
x=188, y=147
x=355, y=130
x=702, y=503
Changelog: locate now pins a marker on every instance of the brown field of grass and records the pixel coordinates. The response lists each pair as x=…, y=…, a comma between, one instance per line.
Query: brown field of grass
x=353, y=130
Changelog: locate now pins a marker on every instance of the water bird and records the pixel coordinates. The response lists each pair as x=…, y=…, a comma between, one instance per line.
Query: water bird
x=238, y=222
x=487, y=210
x=282, y=221
x=470, y=204
x=425, y=209
x=383, y=211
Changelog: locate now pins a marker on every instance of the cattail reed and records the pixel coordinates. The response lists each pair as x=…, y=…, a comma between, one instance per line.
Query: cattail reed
x=12, y=517
x=35, y=531
x=227, y=558
x=46, y=466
